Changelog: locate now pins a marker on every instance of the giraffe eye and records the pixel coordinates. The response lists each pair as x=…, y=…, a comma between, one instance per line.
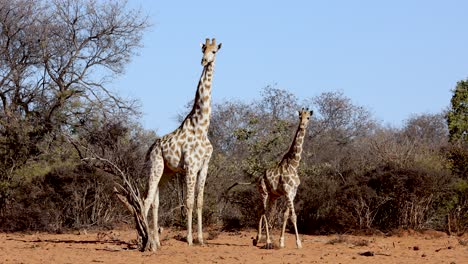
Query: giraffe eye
x=213, y=51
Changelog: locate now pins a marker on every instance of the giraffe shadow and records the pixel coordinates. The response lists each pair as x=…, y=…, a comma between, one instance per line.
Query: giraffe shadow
x=227, y=244
x=71, y=241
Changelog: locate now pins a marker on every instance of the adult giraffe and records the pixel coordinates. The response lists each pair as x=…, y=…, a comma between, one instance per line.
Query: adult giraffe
x=186, y=150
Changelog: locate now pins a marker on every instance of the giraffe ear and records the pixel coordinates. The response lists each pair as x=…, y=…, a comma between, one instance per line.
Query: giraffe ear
x=202, y=47
x=219, y=46
x=299, y=112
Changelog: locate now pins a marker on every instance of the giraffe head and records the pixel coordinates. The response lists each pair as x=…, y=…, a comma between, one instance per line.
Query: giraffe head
x=304, y=115
x=209, y=51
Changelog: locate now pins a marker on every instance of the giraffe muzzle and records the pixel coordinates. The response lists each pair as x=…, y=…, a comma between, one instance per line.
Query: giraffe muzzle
x=204, y=62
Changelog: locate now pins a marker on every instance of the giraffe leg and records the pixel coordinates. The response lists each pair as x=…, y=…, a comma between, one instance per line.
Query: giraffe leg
x=264, y=195
x=294, y=218
x=156, y=163
x=259, y=234
x=200, y=189
x=262, y=214
x=191, y=178
x=155, y=218
x=285, y=221
x=268, y=244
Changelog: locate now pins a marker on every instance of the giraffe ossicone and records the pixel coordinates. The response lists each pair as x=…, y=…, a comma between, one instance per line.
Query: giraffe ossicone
x=283, y=180
x=186, y=150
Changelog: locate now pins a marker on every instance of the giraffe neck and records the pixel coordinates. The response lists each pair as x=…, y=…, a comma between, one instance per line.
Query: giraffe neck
x=293, y=156
x=200, y=114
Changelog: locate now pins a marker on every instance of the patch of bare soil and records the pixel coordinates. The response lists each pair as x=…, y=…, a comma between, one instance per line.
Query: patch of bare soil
x=118, y=246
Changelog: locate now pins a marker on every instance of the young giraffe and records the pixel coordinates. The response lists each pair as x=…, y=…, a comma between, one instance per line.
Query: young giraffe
x=283, y=180
x=186, y=150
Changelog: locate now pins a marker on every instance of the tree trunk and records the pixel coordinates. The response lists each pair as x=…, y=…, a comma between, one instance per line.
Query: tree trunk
x=135, y=205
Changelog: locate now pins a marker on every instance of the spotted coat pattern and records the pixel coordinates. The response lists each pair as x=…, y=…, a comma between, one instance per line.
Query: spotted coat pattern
x=283, y=180
x=186, y=150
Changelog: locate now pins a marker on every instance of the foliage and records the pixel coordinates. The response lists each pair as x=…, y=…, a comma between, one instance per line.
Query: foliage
x=457, y=120
x=457, y=117
x=55, y=59
x=66, y=197
x=457, y=154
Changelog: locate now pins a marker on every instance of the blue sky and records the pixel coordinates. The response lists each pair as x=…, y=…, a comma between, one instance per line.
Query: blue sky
x=396, y=58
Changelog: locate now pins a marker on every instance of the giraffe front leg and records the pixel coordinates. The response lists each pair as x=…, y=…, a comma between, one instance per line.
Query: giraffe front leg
x=190, y=179
x=294, y=219
x=200, y=190
x=285, y=221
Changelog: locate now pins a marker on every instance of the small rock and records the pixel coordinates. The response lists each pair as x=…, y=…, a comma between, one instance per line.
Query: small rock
x=415, y=248
x=367, y=253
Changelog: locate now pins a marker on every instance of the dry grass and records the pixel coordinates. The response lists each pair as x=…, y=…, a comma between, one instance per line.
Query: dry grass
x=463, y=242
x=360, y=243
x=346, y=240
x=213, y=234
x=337, y=240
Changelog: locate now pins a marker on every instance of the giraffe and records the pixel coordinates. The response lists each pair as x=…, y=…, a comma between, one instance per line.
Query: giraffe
x=283, y=180
x=186, y=150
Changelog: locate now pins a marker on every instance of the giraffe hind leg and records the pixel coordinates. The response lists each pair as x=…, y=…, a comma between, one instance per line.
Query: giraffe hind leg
x=156, y=164
x=268, y=244
x=264, y=195
x=259, y=233
x=155, y=218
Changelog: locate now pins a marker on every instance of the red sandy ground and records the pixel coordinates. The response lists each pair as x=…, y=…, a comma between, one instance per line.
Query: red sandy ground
x=236, y=247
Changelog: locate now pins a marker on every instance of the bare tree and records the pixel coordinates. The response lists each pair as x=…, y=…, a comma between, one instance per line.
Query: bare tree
x=118, y=146
x=278, y=103
x=337, y=131
x=338, y=117
x=428, y=129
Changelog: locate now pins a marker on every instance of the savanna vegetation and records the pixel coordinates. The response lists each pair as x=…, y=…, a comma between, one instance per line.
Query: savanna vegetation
x=68, y=144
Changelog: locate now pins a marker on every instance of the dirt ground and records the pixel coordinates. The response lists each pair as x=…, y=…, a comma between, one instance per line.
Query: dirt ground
x=232, y=247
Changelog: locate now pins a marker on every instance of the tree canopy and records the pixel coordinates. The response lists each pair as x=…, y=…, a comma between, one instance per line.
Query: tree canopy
x=457, y=117
x=56, y=58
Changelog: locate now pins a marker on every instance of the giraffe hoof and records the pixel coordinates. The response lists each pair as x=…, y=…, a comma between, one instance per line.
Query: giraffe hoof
x=268, y=246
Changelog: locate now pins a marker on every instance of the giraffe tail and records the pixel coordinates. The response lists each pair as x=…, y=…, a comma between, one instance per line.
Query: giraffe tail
x=255, y=176
x=239, y=183
x=225, y=197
